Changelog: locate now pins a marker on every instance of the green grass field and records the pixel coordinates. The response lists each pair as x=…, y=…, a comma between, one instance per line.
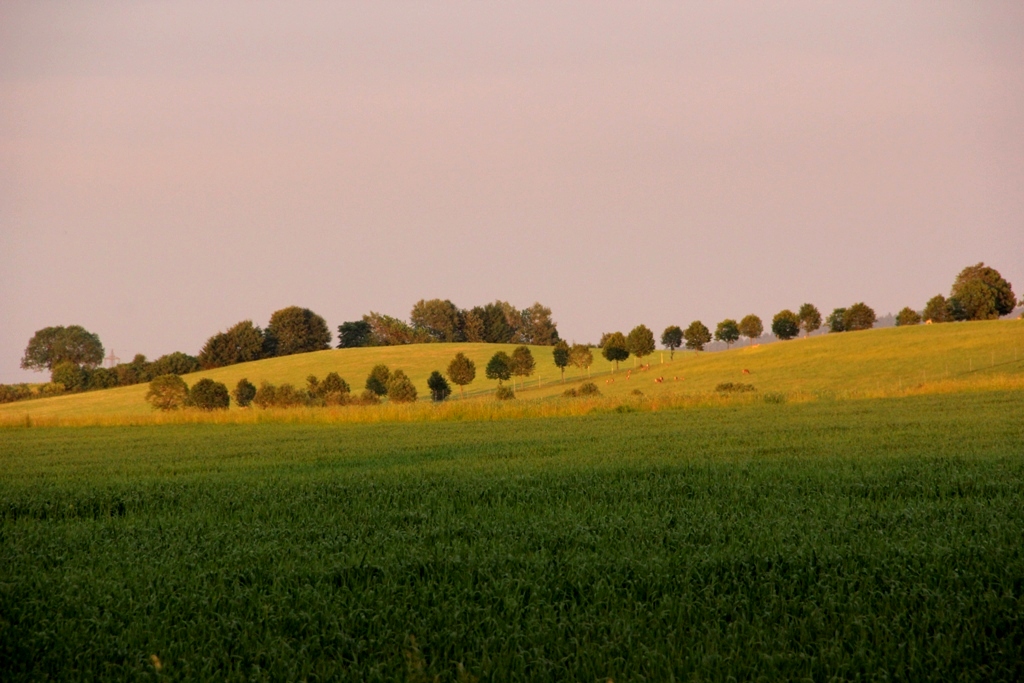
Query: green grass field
x=932, y=358
x=831, y=539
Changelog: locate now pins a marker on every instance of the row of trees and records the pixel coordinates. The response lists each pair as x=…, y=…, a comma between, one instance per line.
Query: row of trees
x=440, y=320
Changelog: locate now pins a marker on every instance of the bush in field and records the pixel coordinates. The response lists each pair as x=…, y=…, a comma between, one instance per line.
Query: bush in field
x=462, y=371
x=499, y=367
x=167, y=392
x=438, y=385
x=206, y=394
x=589, y=389
x=102, y=378
x=287, y=396
x=504, y=393
x=10, y=393
x=907, y=316
x=378, y=379
x=334, y=391
x=734, y=387
x=245, y=392
x=367, y=398
x=400, y=388
x=785, y=324
x=266, y=396
x=937, y=310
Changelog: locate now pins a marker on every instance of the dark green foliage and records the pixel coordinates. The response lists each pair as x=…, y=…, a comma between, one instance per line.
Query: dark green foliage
x=101, y=378
x=728, y=331
x=354, y=334
x=907, y=316
x=831, y=540
x=401, y=388
x=499, y=367
x=696, y=336
x=560, y=354
x=53, y=345
x=785, y=324
x=614, y=347
x=504, y=393
x=242, y=343
x=537, y=327
x=439, y=388
x=266, y=396
x=672, y=339
x=734, y=388
x=810, y=318
x=176, y=363
x=640, y=342
x=296, y=330
x=368, y=398
x=981, y=293
x=751, y=327
x=388, y=331
x=588, y=389
x=167, y=392
x=462, y=371
x=71, y=375
x=207, y=394
x=245, y=392
x=377, y=381
x=522, y=362
x=836, y=320
x=937, y=310
x=859, y=316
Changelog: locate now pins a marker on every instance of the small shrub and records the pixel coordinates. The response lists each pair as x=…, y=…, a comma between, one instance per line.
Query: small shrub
x=287, y=396
x=266, y=396
x=51, y=389
x=734, y=388
x=167, y=392
x=400, y=388
x=570, y=393
x=207, y=394
x=334, y=390
x=589, y=389
x=10, y=393
x=636, y=392
x=368, y=398
x=245, y=392
x=439, y=387
x=504, y=394
x=774, y=397
x=377, y=381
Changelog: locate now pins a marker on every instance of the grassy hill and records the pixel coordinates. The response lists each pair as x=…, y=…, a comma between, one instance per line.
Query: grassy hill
x=932, y=358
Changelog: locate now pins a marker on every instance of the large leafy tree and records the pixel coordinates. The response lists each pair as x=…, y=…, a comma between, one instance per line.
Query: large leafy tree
x=751, y=327
x=52, y=345
x=167, y=392
x=522, y=363
x=297, y=330
x=241, y=343
x=614, y=348
x=560, y=354
x=537, y=327
x=462, y=371
x=697, y=335
x=859, y=316
x=354, y=334
x=440, y=320
x=810, y=318
x=907, y=316
x=640, y=342
x=672, y=339
x=981, y=293
x=785, y=324
x=728, y=331
x=836, y=320
x=388, y=331
x=176, y=363
x=499, y=367
x=937, y=310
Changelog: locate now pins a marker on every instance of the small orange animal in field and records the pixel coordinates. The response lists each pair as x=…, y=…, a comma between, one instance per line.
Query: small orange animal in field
x=659, y=380
x=746, y=372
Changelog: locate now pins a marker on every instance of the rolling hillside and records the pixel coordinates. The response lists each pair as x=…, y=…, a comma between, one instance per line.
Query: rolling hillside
x=946, y=357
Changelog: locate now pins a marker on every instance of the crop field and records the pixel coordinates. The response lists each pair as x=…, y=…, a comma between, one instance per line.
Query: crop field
x=874, y=539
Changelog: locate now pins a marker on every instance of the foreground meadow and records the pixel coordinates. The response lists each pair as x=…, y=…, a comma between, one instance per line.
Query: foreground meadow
x=861, y=539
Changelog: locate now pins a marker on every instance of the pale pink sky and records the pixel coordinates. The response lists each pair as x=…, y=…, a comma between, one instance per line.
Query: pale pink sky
x=170, y=168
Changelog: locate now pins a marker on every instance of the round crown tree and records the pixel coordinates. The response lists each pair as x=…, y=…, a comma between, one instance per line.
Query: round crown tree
x=696, y=336
x=522, y=363
x=560, y=354
x=640, y=342
x=785, y=324
x=728, y=331
x=751, y=327
x=981, y=293
x=462, y=371
x=672, y=339
x=53, y=345
x=297, y=330
x=499, y=367
x=614, y=348
x=810, y=318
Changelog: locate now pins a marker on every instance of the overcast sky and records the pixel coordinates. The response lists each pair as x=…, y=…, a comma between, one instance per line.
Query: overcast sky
x=170, y=168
